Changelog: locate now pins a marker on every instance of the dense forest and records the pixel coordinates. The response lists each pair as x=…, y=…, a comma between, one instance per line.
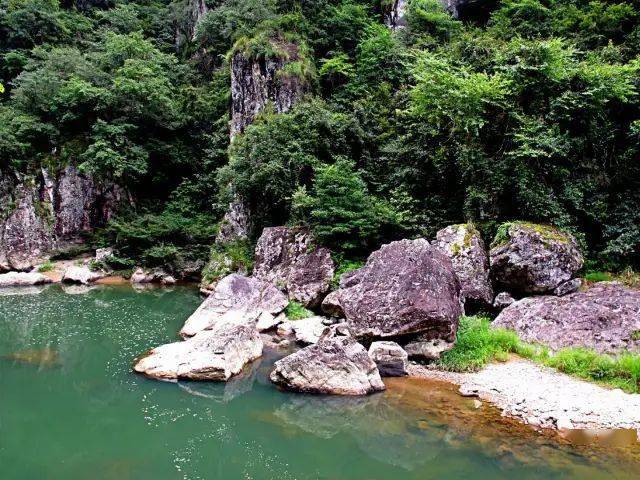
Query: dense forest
x=510, y=110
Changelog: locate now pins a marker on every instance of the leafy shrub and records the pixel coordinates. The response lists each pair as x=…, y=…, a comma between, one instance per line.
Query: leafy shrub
x=296, y=311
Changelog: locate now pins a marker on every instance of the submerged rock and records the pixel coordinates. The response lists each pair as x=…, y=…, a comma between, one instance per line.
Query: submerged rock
x=465, y=247
x=217, y=354
x=234, y=299
x=44, y=357
x=288, y=258
x=406, y=287
x=19, y=279
x=335, y=365
x=604, y=318
x=391, y=359
x=80, y=274
x=530, y=258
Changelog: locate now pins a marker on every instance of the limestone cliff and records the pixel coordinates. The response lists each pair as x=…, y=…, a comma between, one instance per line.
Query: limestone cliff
x=42, y=212
x=187, y=24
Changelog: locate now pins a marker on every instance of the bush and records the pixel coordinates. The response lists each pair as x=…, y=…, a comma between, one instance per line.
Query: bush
x=297, y=311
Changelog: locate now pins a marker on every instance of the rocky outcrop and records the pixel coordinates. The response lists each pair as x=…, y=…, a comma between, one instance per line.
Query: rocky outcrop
x=235, y=299
x=288, y=258
x=217, y=354
x=235, y=224
x=187, y=27
x=605, y=318
x=335, y=365
x=463, y=244
x=391, y=359
x=21, y=279
x=395, y=14
x=256, y=82
x=81, y=274
x=529, y=258
x=45, y=212
x=25, y=231
x=406, y=287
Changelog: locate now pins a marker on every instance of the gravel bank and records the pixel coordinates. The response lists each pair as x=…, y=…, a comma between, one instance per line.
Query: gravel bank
x=543, y=397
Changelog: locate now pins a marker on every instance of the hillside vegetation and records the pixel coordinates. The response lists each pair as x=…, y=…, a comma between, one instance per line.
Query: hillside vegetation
x=529, y=113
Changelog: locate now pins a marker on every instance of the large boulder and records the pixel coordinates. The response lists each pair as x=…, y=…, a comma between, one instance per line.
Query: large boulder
x=605, y=318
x=335, y=365
x=529, y=258
x=21, y=279
x=288, y=258
x=216, y=354
x=463, y=244
x=234, y=299
x=406, y=287
x=81, y=274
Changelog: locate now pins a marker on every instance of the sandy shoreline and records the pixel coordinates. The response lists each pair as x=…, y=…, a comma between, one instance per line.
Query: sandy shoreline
x=544, y=398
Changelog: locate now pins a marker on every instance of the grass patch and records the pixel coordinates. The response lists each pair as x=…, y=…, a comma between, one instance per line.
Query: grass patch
x=297, y=311
x=478, y=345
x=46, y=267
x=598, y=277
x=627, y=277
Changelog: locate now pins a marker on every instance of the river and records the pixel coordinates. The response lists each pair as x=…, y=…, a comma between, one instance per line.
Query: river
x=70, y=408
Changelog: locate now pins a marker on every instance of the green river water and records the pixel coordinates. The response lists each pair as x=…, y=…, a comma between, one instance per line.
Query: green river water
x=70, y=408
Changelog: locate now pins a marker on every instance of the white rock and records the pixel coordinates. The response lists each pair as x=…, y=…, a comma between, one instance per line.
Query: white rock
x=19, y=279
x=390, y=357
x=216, y=354
x=80, y=274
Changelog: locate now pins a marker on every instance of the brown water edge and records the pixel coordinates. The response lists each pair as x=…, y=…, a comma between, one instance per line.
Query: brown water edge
x=471, y=420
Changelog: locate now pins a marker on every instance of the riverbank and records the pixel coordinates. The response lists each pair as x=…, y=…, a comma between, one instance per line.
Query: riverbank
x=542, y=397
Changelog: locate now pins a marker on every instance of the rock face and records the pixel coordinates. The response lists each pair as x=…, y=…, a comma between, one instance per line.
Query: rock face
x=464, y=246
x=235, y=224
x=186, y=31
x=395, y=14
x=534, y=258
x=20, y=279
x=287, y=258
x=255, y=82
x=406, y=287
x=334, y=365
x=235, y=299
x=391, y=359
x=44, y=212
x=605, y=318
x=216, y=354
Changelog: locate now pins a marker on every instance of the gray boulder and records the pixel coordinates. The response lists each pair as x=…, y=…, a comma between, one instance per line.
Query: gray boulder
x=335, y=365
x=216, y=354
x=406, y=287
x=80, y=274
x=288, y=258
x=503, y=300
x=21, y=279
x=605, y=318
x=464, y=246
x=530, y=258
x=568, y=287
x=235, y=299
x=391, y=359
x=426, y=348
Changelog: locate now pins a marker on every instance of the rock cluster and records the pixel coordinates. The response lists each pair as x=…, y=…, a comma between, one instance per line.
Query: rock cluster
x=605, y=318
x=155, y=276
x=288, y=258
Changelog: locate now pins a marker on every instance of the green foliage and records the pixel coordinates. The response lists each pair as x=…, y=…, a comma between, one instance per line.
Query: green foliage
x=46, y=267
x=344, y=265
x=340, y=209
x=228, y=258
x=296, y=311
